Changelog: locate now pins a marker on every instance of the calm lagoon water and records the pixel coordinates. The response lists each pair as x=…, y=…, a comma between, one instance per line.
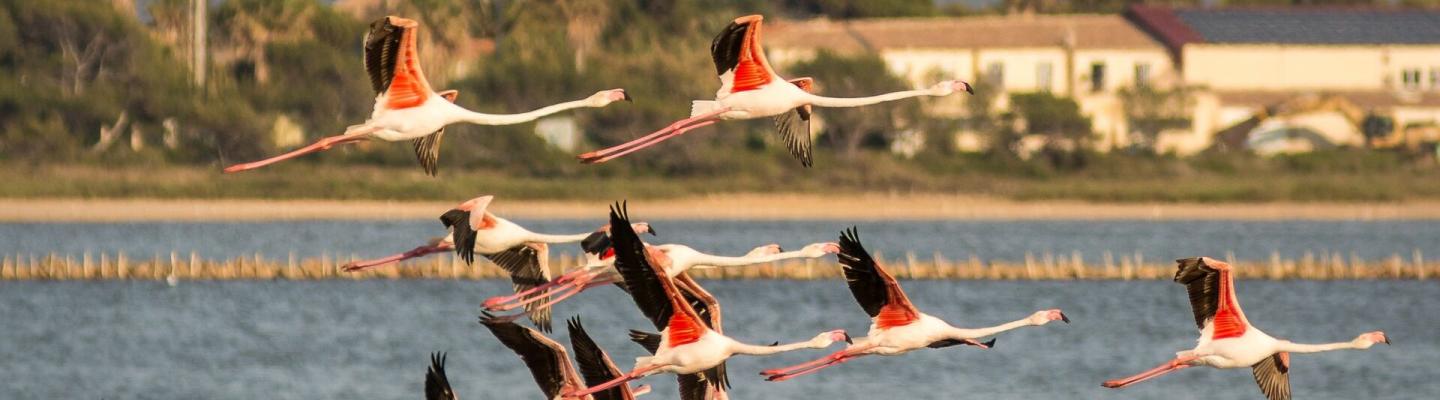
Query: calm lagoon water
x=370, y=339
x=989, y=240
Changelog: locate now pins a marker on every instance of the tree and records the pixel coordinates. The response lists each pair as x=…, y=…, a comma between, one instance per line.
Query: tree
x=1067, y=133
x=1151, y=110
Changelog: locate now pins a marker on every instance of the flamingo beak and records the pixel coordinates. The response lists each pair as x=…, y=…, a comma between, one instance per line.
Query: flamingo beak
x=624, y=95
x=968, y=89
x=1064, y=318
x=652, y=230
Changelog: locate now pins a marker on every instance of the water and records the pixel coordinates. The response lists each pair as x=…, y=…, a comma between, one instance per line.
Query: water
x=988, y=240
x=370, y=339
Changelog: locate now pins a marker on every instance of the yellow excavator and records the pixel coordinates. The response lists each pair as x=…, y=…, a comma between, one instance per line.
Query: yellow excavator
x=1378, y=126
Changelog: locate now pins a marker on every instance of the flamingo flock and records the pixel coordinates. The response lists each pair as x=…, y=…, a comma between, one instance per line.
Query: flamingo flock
x=690, y=341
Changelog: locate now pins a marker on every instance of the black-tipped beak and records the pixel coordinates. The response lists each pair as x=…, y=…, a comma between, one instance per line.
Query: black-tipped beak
x=777, y=343
x=990, y=344
x=624, y=95
x=969, y=89
x=848, y=340
x=1064, y=318
x=1387, y=340
x=652, y=231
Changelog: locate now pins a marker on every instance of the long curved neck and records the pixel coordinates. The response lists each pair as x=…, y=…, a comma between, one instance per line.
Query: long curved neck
x=548, y=238
x=961, y=333
x=823, y=101
x=510, y=119
x=1292, y=347
x=753, y=350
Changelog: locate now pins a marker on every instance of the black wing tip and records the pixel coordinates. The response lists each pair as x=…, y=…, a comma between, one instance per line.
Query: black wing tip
x=574, y=325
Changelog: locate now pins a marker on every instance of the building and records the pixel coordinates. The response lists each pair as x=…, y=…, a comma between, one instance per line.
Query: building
x=1086, y=57
x=1263, y=79
x=1288, y=79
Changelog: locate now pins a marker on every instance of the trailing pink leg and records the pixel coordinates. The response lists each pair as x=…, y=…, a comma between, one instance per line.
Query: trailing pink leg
x=321, y=145
x=633, y=375
x=355, y=266
x=677, y=132
x=651, y=139
x=568, y=279
x=1168, y=367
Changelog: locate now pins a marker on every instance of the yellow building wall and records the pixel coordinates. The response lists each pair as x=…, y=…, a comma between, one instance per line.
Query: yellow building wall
x=1290, y=67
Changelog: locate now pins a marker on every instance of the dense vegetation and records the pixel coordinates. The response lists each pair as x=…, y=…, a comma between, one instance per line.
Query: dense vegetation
x=95, y=101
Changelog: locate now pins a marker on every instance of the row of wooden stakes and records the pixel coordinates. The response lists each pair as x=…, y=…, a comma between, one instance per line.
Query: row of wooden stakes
x=1046, y=266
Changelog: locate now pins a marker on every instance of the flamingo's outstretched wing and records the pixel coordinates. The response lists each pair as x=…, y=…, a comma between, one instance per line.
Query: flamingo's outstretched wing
x=547, y=360
x=427, y=148
x=1212, y=296
x=461, y=233
x=649, y=286
x=393, y=63
x=739, y=59
x=437, y=385
x=876, y=291
x=1273, y=376
x=595, y=366
x=794, y=126
x=528, y=266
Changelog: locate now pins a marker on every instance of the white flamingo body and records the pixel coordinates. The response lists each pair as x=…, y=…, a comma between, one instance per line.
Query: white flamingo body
x=750, y=88
x=897, y=327
x=689, y=341
x=1228, y=340
x=407, y=108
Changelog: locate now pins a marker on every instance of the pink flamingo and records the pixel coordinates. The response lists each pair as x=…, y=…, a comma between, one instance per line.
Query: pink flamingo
x=1227, y=340
x=408, y=109
x=897, y=326
x=688, y=345
x=523, y=254
x=750, y=89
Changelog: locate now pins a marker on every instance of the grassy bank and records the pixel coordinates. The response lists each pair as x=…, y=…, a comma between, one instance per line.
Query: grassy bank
x=1035, y=267
x=1356, y=177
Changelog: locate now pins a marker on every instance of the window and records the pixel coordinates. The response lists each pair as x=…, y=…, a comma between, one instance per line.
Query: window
x=1410, y=78
x=995, y=73
x=1044, y=74
x=1142, y=74
x=1097, y=76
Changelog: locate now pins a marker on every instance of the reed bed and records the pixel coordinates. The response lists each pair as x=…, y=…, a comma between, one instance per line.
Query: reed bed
x=1044, y=266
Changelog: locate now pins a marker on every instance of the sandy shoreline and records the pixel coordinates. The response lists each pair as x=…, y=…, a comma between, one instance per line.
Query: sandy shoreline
x=729, y=207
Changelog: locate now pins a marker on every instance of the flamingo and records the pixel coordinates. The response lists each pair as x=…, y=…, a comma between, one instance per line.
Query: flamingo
x=550, y=365
x=1227, y=340
x=523, y=254
x=897, y=327
x=750, y=89
x=406, y=108
x=681, y=258
x=688, y=344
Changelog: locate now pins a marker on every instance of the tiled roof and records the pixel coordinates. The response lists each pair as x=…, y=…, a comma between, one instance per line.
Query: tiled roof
x=1291, y=25
x=1315, y=25
x=1086, y=31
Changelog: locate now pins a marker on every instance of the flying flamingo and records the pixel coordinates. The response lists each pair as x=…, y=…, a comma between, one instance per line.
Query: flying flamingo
x=681, y=258
x=523, y=254
x=750, y=89
x=407, y=109
x=1227, y=340
x=687, y=345
x=897, y=326
x=550, y=365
